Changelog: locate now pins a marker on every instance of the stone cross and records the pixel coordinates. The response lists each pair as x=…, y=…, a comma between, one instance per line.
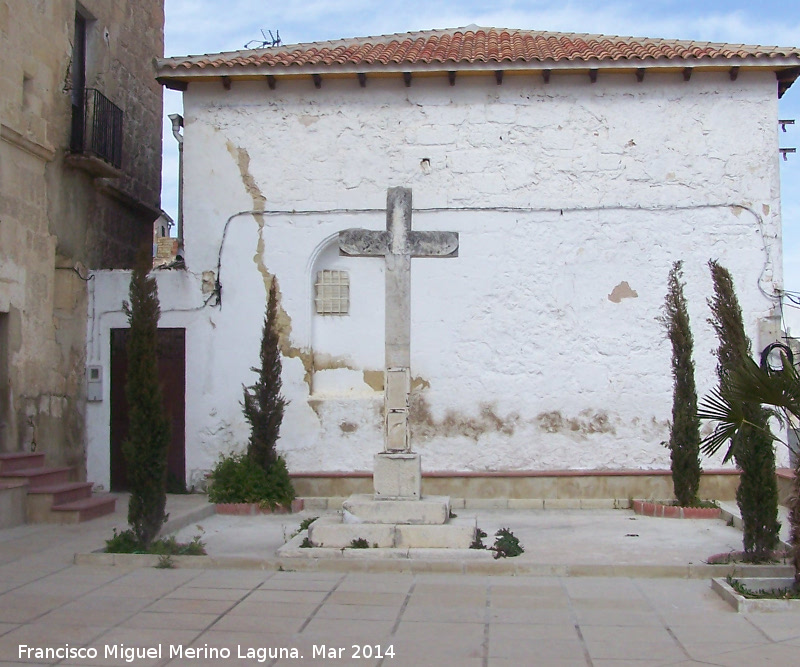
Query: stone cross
x=398, y=244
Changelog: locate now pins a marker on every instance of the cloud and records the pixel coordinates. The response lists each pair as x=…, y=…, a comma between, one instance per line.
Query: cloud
x=207, y=26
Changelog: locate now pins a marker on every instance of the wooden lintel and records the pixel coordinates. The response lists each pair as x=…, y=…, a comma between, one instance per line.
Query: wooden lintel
x=498, y=76
x=271, y=81
x=451, y=77
x=734, y=73
x=593, y=75
x=687, y=73
x=407, y=79
x=786, y=78
x=640, y=74
x=362, y=79
x=317, y=80
x=546, y=75
x=173, y=85
x=226, y=82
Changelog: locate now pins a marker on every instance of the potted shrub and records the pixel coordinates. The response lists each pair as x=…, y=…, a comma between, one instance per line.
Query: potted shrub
x=258, y=479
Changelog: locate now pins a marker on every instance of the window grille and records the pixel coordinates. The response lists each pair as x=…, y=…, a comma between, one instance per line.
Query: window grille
x=332, y=292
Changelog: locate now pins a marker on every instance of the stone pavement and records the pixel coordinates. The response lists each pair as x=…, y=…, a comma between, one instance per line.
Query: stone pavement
x=423, y=619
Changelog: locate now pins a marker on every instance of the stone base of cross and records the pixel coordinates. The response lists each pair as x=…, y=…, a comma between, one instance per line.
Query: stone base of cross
x=397, y=516
x=397, y=470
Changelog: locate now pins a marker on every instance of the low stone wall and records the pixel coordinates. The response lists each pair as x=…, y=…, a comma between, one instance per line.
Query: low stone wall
x=545, y=485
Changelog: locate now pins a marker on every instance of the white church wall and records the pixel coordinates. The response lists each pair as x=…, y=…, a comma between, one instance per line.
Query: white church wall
x=538, y=347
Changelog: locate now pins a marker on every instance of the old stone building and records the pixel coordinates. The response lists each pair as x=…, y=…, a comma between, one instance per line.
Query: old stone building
x=80, y=168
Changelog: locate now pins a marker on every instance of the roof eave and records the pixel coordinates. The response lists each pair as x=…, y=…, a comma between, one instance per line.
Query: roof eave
x=178, y=71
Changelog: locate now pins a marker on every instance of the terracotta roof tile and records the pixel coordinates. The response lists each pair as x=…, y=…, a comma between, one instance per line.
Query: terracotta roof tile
x=473, y=44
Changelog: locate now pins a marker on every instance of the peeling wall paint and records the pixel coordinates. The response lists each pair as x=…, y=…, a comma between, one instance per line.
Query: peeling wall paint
x=529, y=351
x=425, y=427
x=585, y=423
x=374, y=379
x=622, y=291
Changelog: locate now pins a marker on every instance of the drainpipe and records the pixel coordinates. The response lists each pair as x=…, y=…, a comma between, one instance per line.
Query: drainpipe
x=177, y=124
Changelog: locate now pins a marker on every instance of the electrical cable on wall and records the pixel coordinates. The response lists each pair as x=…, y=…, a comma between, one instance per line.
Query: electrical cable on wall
x=775, y=296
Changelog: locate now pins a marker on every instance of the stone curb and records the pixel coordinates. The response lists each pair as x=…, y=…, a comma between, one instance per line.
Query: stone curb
x=733, y=519
x=187, y=519
x=418, y=563
x=252, y=509
x=745, y=605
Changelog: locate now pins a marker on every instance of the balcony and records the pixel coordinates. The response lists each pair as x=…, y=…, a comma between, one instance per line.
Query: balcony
x=96, y=142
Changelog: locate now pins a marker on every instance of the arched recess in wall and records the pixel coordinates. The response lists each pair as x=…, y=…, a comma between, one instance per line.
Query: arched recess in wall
x=346, y=303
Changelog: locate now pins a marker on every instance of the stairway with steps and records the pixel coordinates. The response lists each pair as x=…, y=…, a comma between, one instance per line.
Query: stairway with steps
x=51, y=495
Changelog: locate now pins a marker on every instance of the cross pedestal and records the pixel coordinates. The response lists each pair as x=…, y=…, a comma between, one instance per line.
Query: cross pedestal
x=397, y=471
x=396, y=515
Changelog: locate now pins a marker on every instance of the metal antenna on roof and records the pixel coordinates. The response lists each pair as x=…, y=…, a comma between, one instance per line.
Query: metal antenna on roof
x=267, y=41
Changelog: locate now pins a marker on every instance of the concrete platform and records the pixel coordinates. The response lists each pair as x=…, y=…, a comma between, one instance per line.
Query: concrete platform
x=238, y=599
x=563, y=542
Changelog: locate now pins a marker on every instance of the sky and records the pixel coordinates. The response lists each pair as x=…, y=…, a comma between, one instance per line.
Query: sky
x=210, y=26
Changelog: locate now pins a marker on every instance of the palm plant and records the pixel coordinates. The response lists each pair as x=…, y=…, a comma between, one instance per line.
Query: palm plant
x=749, y=384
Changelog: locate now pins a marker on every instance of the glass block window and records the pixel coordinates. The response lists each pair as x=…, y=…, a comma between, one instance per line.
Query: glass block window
x=332, y=293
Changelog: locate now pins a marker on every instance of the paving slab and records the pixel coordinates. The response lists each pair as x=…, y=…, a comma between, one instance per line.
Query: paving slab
x=441, y=615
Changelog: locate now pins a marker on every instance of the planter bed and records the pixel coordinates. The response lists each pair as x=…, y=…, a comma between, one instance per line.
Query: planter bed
x=744, y=604
x=664, y=509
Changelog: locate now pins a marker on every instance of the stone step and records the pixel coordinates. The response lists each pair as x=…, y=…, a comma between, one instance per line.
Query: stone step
x=363, y=508
x=38, y=476
x=331, y=532
x=14, y=461
x=13, y=499
x=85, y=509
x=42, y=499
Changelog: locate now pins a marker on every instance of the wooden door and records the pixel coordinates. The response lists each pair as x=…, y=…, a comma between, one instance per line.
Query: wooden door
x=172, y=376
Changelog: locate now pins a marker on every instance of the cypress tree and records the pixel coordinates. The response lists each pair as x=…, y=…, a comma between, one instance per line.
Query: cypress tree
x=757, y=495
x=145, y=449
x=263, y=403
x=684, y=435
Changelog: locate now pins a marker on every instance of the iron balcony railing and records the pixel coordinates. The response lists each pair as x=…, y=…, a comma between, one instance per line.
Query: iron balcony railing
x=97, y=127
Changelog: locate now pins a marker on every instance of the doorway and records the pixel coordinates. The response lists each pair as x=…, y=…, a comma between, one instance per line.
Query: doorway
x=172, y=377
